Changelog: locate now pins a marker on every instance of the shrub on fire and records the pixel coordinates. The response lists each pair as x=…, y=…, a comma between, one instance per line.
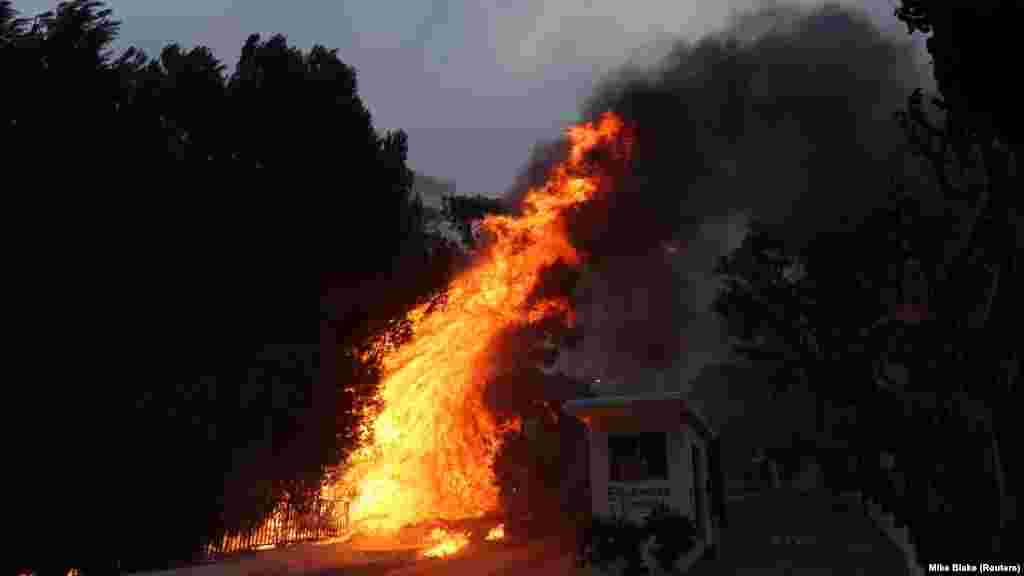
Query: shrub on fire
x=618, y=545
x=528, y=470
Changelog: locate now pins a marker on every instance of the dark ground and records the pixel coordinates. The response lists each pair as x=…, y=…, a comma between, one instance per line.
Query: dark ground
x=785, y=532
x=775, y=532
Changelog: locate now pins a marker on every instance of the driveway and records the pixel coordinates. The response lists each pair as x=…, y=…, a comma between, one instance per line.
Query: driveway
x=480, y=559
x=778, y=532
x=785, y=532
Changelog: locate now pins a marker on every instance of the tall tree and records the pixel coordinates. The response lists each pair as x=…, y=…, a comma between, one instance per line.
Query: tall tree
x=232, y=402
x=971, y=135
x=849, y=318
x=810, y=313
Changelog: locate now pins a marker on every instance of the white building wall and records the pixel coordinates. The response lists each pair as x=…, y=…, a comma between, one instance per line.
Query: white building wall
x=680, y=465
x=701, y=443
x=681, y=471
x=599, y=471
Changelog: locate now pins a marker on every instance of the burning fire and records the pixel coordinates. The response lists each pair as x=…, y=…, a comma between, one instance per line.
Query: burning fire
x=434, y=440
x=279, y=529
x=445, y=543
x=496, y=533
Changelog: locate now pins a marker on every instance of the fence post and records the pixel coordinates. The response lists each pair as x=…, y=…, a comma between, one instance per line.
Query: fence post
x=328, y=512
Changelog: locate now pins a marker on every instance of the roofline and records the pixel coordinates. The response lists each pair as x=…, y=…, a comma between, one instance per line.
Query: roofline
x=700, y=423
x=617, y=400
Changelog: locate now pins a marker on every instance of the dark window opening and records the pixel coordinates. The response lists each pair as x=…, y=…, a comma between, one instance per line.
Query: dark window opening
x=638, y=457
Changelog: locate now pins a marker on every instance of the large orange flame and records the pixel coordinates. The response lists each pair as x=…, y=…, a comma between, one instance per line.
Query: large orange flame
x=434, y=441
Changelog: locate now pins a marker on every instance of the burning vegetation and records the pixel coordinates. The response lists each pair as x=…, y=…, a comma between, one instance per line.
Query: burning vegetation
x=431, y=445
x=496, y=533
x=445, y=543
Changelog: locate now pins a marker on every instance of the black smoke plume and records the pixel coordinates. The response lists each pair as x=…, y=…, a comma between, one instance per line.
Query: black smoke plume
x=785, y=116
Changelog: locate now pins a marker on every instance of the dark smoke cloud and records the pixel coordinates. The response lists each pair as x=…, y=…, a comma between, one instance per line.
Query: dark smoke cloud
x=785, y=116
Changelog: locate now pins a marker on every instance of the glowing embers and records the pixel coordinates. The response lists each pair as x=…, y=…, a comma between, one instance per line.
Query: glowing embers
x=496, y=533
x=445, y=543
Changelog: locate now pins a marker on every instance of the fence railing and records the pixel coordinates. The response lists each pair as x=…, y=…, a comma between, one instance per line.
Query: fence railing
x=328, y=519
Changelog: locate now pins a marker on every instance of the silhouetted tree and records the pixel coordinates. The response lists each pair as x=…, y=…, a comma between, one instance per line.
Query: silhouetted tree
x=964, y=39
x=850, y=318
x=971, y=136
x=811, y=314
x=58, y=83
x=542, y=470
x=232, y=404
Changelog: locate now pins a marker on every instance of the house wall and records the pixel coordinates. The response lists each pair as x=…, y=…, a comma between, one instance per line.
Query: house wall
x=680, y=482
x=704, y=479
x=681, y=470
x=599, y=471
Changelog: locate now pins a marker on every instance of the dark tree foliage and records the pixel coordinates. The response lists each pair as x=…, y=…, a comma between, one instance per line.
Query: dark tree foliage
x=58, y=80
x=900, y=323
x=529, y=473
x=823, y=318
x=965, y=39
x=542, y=472
x=192, y=392
x=971, y=137
x=618, y=541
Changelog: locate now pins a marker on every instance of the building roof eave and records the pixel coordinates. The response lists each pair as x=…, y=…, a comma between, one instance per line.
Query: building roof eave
x=618, y=407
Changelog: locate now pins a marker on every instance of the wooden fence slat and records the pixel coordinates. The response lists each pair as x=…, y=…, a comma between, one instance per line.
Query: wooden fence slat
x=326, y=519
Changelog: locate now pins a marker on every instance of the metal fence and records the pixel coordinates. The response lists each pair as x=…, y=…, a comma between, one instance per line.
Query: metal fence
x=328, y=519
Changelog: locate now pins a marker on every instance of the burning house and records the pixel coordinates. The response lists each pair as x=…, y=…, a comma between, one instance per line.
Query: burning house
x=434, y=439
x=427, y=463
x=648, y=451
x=436, y=436
x=645, y=445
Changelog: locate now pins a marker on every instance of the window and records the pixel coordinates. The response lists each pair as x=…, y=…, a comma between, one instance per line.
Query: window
x=638, y=457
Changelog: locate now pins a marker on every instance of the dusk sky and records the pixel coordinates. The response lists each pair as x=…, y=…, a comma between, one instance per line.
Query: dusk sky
x=474, y=84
